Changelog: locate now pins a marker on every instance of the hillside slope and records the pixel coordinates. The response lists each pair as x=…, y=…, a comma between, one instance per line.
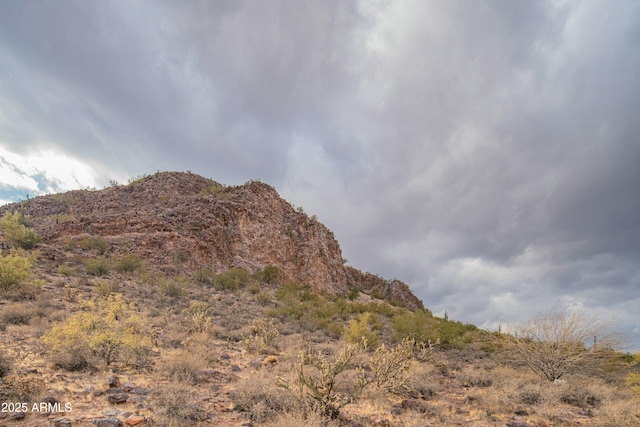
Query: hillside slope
x=182, y=221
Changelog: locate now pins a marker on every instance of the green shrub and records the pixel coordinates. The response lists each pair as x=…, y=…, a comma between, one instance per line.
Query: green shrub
x=205, y=276
x=270, y=274
x=66, y=270
x=14, y=268
x=98, y=266
x=175, y=287
x=418, y=324
x=98, y=243
x=129, y=264
x=425, y=328
x=232, y=279
x=13, y=227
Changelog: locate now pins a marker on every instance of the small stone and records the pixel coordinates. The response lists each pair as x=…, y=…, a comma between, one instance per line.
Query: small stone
x=235, y=368
x=225, y=356
x=107, y=422
x=111, y=412
x=134, y=420
x=128, y=386
x=114, y=381
x=518, y=422
x=117, y=398
x=61, y=422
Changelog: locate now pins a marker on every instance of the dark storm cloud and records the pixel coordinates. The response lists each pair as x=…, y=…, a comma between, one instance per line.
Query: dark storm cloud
x=485, y=152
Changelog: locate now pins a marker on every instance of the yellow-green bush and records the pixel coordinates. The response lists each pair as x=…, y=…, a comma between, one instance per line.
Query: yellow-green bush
x=15, y=267
x=359, y=329
x=633, y=380
x=109, y=328
x=16, y=233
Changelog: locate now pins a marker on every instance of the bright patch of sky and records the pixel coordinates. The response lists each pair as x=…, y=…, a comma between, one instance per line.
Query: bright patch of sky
x=33, y=174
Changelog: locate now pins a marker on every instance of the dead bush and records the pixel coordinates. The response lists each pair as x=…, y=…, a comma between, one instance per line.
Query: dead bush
x=617, y=413
x=186, y=366
x=262, y=399
x=17, y=313
x=176, y=404
x=560, y=342
x=5, y=365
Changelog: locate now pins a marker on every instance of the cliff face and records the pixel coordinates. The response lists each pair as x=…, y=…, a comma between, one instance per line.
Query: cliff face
x=179, y=222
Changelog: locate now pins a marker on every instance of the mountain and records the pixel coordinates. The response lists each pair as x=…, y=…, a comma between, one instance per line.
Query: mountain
x=180, y=223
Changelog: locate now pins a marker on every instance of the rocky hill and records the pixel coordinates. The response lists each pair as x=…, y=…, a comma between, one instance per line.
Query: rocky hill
x=181, y=222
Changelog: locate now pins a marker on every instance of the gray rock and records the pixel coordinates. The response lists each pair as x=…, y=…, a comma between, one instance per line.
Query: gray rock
x=61, y=422
x=107, y=422
x=117, y=398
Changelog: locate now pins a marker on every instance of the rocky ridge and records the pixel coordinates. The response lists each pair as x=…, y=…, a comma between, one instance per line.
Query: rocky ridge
x=179, y=222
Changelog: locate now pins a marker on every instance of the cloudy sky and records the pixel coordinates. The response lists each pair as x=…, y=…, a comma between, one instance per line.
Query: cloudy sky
x=485, y=152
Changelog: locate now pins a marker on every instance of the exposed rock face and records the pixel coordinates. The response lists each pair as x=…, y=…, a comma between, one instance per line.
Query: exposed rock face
x=179, y=222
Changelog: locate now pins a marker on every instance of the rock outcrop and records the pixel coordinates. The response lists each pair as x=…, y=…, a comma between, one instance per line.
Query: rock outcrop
x=180, y=222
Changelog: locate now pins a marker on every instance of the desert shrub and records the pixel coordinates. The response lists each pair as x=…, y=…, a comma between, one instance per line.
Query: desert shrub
x=205, y=276
x=232, y=279
x=97, y=266
x=14, y=268
x=633, y=381
x=270, y=274
x=263, y=298
x=199, y=315
x=359, y=329
x=66, y=270
x=261, y=337
x=23, y=388
x=555, y=343
x=377, y=294
x=129, y=263
x=423, y=326
x=185, y=366
x=617, y=413
x=99, y=244
x=17, y=314
x=418, y=324
x=106, y=327
x=259, y=397
x=5, y=365
x=106, y=287
x=390, y=366
x=13, y=227
x=176, y=403
x=581, y=396
x=175, y=287
x=316, y=377
x=72, y=359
